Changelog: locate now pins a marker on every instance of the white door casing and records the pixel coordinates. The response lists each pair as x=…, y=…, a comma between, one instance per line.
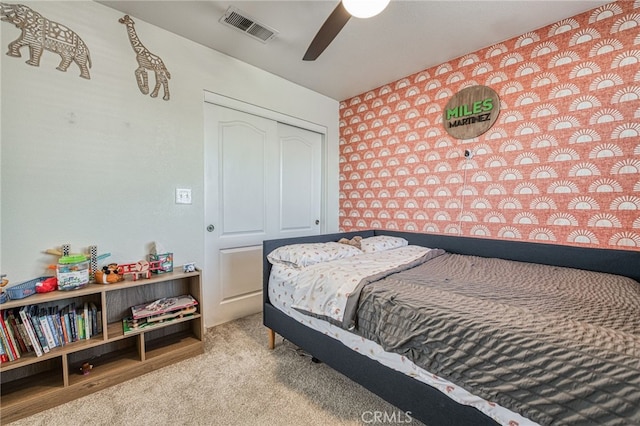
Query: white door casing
x=263, y=180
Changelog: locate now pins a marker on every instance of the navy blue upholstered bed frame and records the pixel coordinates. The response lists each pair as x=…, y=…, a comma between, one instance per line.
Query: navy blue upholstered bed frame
x=424, y=402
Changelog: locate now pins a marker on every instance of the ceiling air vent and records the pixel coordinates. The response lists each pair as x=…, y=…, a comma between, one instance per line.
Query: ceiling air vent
x=242, y=22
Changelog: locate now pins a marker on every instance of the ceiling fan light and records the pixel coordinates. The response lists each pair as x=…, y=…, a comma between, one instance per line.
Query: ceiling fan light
x=365, y=8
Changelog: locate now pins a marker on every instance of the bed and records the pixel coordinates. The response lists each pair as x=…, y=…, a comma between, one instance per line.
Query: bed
x=452, y=395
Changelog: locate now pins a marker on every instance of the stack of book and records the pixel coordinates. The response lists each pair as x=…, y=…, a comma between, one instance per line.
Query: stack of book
x=40, y=329
x=158, y=312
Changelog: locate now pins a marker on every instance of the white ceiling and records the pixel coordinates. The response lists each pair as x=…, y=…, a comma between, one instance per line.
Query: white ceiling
x=407, y=37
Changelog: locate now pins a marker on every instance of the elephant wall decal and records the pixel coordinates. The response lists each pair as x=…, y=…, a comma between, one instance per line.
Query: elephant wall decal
x=40, y=33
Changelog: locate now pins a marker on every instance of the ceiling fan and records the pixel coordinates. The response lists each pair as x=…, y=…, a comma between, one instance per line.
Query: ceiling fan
x=338, y=19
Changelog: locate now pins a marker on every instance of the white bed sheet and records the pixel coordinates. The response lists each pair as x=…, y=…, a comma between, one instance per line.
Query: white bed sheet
x=282, y=286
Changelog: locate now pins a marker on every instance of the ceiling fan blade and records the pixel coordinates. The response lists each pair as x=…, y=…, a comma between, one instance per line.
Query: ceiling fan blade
x=327, y=32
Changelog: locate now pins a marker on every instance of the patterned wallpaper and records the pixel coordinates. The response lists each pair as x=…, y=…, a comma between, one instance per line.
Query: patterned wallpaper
x=561, y=164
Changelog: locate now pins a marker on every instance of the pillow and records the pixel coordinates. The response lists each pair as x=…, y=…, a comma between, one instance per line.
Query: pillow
x=301, y=255
x=381, y=243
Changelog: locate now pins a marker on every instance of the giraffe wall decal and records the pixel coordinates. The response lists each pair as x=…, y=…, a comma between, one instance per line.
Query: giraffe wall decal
x=147, y=61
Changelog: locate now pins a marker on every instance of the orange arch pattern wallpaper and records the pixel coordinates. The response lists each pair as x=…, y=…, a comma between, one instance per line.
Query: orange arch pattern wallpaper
x=561, y=164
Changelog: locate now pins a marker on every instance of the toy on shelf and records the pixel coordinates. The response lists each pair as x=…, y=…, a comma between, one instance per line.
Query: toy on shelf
x=109, y=274
x=152, y=314
x=132, y=325
x=163, y=306
x=86, y=368
x=47, y=285
x=72, y=272
x=159, y=252
x=92, y=258
x=136, y=323
x=24, y=289
x=88, y=256
x=113, y=272
x=141, y=269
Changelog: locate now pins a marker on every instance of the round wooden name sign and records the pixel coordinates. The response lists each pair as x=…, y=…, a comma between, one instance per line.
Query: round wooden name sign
x=471, y=112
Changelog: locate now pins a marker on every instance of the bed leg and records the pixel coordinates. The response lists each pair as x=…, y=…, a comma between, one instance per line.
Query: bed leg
x=272, y=338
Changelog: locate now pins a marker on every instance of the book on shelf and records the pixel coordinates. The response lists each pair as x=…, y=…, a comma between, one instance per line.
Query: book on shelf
x=38, y=329
x=162, y=306
x=87, y=321
x=3, y=353
x=46, y=329
x=22, y=329
x=73, y=322
x=35, y=343
x=9, y=338
x=55, y=318
x=99, y=320
x=12, y=330
x=4, y=338
x=93, y=309
x=80, y=323
x=64, y=324
x=32, y=312
x=52, y=326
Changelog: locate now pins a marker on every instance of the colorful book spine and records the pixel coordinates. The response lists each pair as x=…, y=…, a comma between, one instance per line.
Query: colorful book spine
x=58, y=322
x=64, y=323
x=87, y=321
x=35, y=343
x=13, y=327
x=46, y=330
x=52, y=327
x=72, y=323
x=54, y=314
x=12, y=332
x=7, y=344
x=8, y=339
x=99, y=321
x=22, y=330
x=93, y=309
x=3, y=353
x=35, y=322
x=79, y=324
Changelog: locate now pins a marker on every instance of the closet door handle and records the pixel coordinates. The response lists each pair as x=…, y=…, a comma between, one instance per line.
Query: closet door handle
x=211, y=228
x=317, y=222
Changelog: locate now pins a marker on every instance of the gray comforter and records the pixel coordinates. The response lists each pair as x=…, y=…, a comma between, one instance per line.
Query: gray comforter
x=557, y=345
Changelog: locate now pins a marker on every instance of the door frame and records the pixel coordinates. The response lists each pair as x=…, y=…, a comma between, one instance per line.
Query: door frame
x=231, y=103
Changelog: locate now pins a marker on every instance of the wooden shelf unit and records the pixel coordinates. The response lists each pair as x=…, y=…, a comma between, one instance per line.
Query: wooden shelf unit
x=32, y=384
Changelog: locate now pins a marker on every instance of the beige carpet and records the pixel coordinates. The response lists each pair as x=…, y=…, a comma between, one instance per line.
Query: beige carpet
x=237, y=381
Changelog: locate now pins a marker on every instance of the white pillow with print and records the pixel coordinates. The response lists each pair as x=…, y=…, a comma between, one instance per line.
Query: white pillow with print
x=301, y=255
x=381, y=243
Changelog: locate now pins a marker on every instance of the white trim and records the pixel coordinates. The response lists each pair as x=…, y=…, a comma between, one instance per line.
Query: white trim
x=225, y=101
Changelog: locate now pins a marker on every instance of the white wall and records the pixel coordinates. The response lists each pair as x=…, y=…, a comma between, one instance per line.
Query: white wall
x=97, y=162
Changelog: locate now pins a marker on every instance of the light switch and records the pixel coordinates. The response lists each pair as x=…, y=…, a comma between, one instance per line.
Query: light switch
x=183, y=196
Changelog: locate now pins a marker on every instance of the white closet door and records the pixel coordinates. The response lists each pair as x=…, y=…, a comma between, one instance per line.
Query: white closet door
x=263, y=181
x=300, y=172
